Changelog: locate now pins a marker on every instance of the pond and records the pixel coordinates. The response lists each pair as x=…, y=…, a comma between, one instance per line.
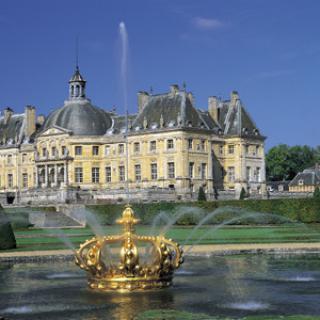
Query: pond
x=234, y=286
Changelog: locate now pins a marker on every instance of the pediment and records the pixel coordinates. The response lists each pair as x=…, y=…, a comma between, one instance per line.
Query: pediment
x=55, y=130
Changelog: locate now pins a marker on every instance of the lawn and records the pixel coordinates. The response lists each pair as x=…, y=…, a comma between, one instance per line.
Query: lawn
x=181, y=315
x=52, y=239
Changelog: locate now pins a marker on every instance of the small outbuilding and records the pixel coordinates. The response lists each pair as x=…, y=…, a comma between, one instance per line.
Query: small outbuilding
x=306, y=181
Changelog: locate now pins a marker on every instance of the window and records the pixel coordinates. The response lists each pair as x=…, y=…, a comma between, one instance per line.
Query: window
x=95, y=150
x=231, y=149
x=136, y=147
x=24, y=180
x=301, y=182
x=191, y=166
x=121, y=148
x=24, y=158
x=78, y=150
x=203, y=172
x=122, y=175
x=190, y=144
x=108, y=174
x=202, y=145
x=154, y=171
x=257, y=174
x=53, y=151
x=78, y=173
x=137, y=172
x=107, y=150
x=10, y=180
x=171, y=171
x=95, y=175
x=63, y=150
x=246, y=149
x=257, y=150
x=248, y=173
x=221, y=149
x=153, y=145
x=44, y=152
x=9, y=160
x=231, y=174
x=170, y=144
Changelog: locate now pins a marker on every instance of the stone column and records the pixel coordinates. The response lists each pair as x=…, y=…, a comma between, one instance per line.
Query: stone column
x=46, y=176
x=37, y=178
x=210, y=170
x=56, y=174
x=65, y=178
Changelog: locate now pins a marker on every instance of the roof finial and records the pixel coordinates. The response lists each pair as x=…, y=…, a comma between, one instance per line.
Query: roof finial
x=77, y=52
x=184, y=85
x=151, y=90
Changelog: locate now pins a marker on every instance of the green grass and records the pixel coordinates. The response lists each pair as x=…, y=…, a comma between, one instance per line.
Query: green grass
x=39, y=239
x=182, y=315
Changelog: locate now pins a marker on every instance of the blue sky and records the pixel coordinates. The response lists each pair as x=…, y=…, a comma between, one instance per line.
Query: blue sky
x=268, y=50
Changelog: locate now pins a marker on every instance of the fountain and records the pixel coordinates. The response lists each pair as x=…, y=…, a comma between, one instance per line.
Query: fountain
x=129, y=273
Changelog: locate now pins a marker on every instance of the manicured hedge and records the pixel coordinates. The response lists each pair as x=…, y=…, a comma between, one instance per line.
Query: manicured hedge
x=7, y=238
x=273, y=211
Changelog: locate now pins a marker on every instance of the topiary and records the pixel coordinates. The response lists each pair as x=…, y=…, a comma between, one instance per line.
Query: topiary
x=202, y=195
x=7, y=238
x=242, y=194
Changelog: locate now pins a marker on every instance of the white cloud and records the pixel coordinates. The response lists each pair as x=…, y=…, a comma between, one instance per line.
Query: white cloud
x=207, y=23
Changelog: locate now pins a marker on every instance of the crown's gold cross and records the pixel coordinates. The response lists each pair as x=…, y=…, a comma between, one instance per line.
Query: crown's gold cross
x=128, y=219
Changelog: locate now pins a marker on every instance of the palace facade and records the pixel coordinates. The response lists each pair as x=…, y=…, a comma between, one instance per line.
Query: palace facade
x=79, y=150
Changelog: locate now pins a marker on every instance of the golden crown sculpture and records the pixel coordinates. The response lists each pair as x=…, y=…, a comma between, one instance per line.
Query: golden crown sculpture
x=129, y=272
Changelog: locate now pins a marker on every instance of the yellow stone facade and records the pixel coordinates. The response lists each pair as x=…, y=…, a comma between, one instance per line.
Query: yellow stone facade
x=180, y=159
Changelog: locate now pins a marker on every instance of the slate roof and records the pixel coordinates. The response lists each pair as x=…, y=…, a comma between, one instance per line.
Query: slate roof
x=12, y=131
x=80, y=117
x=77, y=77
x=310, y=177
x=172, y=110
x=236, y=121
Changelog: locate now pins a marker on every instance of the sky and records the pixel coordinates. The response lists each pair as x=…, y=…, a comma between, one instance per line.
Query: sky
x=267, y=50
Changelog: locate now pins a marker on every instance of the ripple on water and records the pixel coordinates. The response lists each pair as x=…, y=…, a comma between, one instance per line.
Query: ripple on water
x=300, y=279
x=249, y=306
x=64, y=275
x=184, y=272
x=17, y=310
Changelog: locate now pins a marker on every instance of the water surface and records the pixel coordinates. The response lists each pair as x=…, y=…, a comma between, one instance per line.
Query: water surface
x=221, y=286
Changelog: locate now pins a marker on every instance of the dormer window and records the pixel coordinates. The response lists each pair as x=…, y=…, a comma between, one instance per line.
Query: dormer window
x=301, y=182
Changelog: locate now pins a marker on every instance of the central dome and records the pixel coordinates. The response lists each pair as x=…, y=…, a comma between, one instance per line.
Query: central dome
x=80, y=117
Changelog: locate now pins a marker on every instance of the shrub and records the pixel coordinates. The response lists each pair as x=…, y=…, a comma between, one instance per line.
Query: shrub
x=242, y=194
x=316, y=193
x=202, y=195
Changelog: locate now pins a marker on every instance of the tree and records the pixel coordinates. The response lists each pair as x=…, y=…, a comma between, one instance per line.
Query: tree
x=243, y=194
x=316, y=193
x=202, y=195
x=284, y=162
x=7, y=238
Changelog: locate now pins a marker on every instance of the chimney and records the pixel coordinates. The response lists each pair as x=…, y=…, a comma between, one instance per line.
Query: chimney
x=8, y=112
x=30, y=118
x=191, y=97
x=40, y=119
x=234, y=97
x=174, y=89
x=143, y=99
x=213, y=108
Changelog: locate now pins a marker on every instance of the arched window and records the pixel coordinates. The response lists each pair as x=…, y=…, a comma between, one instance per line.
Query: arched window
x=77, y=91
x=72, y=91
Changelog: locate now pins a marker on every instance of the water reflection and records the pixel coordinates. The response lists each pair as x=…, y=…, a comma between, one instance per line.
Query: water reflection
x=234, y=286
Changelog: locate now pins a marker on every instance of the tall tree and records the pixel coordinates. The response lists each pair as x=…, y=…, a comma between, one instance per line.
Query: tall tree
x=284, y=162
